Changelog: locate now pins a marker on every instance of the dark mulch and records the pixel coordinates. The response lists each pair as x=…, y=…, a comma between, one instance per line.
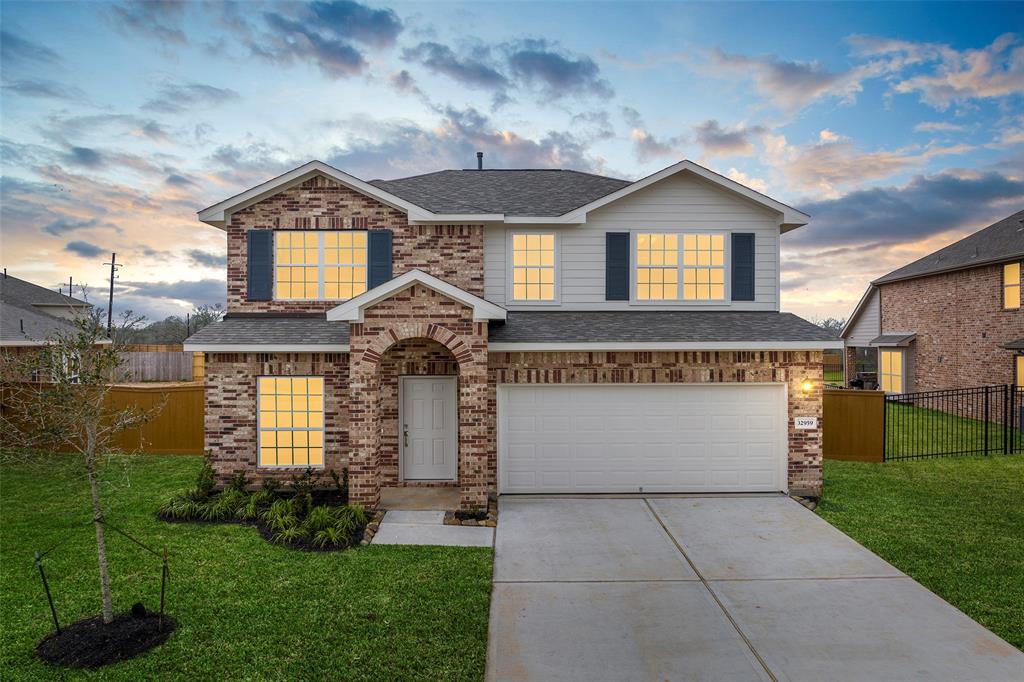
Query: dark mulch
x=471, y=516
x=88, y=643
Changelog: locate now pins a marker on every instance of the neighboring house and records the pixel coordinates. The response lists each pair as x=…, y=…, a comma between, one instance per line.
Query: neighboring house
x=513, y=331
x=30, y=314
x=952, y=319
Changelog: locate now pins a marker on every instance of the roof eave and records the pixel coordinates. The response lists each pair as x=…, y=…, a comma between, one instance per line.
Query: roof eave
x=1008, y=258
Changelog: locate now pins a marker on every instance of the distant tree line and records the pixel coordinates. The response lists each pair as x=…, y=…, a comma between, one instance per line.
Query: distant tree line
x=132, y=328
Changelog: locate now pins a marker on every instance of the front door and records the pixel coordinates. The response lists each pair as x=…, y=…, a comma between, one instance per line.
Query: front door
x=428, y=440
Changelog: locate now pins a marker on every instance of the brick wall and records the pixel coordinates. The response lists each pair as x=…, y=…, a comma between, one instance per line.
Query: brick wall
x=454, y=253
x=961, y=327
x=230, y=419
x=790, y=367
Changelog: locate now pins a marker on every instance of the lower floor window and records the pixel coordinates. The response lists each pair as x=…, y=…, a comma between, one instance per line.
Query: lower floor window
x=291, y=421
x=890, y=371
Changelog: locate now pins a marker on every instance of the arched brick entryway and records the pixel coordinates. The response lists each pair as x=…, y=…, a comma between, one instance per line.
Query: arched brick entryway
x=417, y=313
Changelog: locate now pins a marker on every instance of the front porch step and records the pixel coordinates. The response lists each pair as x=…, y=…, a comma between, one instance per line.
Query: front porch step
x=402, y=527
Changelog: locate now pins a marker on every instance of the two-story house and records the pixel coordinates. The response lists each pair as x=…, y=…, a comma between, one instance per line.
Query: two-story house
x=512, y=331
x=952, y=319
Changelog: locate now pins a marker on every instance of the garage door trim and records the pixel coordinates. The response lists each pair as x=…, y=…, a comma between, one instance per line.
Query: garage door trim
x=501, y=401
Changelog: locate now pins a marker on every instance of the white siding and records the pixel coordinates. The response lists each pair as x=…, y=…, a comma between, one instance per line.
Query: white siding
x=868, y=324
x=679, y=203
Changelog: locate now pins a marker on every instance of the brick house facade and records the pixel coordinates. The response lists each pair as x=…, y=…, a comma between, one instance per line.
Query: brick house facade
x=954, y=316
x=433, y=327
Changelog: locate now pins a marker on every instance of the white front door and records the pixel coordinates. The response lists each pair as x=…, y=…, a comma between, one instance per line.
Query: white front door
x=428, y=423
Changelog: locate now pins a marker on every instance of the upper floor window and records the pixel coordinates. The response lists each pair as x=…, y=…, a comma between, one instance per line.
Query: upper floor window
x=317, y=264
x=1011, y=285
x=890, y=371
x=657, y=267
x=533, y=267
x=658, y=258
x=703, y=267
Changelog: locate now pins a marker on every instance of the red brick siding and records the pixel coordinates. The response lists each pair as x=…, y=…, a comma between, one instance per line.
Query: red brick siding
x=961, y=327
x=454, y=253
x=230, y=420
x=790, y=367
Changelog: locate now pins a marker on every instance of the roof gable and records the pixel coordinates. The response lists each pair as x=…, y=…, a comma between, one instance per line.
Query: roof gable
x=999, y=242
x=352, y=310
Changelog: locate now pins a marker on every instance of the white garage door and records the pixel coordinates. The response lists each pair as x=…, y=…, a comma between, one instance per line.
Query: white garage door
x=641, y=438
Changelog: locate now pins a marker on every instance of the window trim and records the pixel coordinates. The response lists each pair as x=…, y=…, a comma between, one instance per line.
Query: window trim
x=680, y=302
x=1012, y=285
x=322, y=429
x=903, y=369
x=510, y=300
x=320, y=264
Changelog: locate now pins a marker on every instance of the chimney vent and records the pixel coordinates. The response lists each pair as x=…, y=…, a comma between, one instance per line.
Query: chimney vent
x=479, y=160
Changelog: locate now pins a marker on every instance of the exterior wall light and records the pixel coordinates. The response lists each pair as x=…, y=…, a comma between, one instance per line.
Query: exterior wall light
x=806, y=385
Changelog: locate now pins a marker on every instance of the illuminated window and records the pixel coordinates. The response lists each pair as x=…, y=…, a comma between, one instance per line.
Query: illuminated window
x=1020, y=371
x=657, y=267
x=890, y=375
x=316, y=264
x=291, y=421
x=703, y=267
x=533, y=267
x=1011, y=285
x=344, y=264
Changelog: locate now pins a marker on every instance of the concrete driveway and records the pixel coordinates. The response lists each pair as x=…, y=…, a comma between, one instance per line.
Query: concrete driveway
x=714, y=588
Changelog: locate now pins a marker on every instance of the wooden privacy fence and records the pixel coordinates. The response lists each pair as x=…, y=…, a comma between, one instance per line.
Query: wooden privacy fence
x=177, y=429
x=162, y=362
x=854, y=425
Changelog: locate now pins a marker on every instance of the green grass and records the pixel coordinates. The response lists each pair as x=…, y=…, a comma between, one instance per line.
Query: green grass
x=834, y=376
x=245, y=608
x=955, y=525
x=916, y=430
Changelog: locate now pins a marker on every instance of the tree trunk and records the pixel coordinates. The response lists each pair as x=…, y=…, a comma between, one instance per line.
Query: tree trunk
x=101, y=543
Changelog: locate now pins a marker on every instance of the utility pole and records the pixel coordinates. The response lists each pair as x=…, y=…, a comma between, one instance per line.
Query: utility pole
x=114, y=265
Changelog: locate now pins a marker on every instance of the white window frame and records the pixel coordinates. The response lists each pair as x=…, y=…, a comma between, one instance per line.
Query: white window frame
x=320, y=263
x=681, y=302
x=1010, y=285
x=510, y=299
x=903, y=369
x=322, y=429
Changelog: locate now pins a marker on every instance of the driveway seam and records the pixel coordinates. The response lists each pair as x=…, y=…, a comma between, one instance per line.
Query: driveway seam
x=714, y=596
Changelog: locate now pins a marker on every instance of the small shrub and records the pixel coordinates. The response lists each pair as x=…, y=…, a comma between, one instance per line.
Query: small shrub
x=319, y=517
x=254, y=506
x=291, y=534
x=328, y=538
x=270, y=486
x=304, y=483
x=206, y=480
x=238, y=482
x=340, y=482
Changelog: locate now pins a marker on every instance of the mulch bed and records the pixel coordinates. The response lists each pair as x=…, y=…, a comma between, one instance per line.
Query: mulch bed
x=88, y=643
x=488, y=517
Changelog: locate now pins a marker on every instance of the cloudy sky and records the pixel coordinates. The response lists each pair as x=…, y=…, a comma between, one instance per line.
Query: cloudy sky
x=898, y=127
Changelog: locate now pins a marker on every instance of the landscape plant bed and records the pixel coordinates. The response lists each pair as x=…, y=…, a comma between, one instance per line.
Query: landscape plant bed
x=476, y=517
x=298, y=514
x=89, y=643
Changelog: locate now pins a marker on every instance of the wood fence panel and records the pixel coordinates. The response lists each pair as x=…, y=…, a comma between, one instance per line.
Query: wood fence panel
x=177, y=429
x=149, y=365
x=854, y=425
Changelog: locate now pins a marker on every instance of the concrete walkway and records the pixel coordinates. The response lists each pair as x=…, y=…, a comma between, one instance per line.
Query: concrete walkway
x=714, y=588
x=427, y=528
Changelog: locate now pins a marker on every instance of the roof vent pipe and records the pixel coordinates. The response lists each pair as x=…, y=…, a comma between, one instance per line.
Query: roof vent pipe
x=479, y=160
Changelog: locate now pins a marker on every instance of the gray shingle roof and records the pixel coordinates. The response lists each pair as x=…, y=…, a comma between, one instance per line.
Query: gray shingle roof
x=646, y=326
x=894, y=339
x=540, y=192
x=24, y=312
x=268, y=330
x=1002, y=241
x=1015, y=345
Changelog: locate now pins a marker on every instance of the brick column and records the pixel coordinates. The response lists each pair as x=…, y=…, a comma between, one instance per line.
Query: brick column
x=364, y=436
x=474, y=439
x=850, y=368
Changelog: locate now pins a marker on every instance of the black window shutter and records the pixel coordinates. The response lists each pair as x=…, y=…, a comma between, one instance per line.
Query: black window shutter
x=379, y=245
x=742, y=266
x=616, y=266
x=260, y=265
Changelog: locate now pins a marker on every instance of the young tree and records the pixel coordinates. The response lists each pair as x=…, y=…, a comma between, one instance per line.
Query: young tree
x=55, y=396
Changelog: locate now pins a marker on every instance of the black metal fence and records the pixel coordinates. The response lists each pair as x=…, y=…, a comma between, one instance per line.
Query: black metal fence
x=985, y=420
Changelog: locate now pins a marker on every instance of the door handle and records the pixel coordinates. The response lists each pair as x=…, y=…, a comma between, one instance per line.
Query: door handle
x=405, y=434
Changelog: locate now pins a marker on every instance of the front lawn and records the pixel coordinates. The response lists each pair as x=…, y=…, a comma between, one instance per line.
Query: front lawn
x=245, y=608
x=954, y=525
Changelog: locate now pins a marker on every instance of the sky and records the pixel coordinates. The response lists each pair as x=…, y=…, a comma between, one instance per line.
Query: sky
x=899, y=127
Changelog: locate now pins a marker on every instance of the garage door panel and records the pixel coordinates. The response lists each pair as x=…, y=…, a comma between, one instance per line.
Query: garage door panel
x=614, y=438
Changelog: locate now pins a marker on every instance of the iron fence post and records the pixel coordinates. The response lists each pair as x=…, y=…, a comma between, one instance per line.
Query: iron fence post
x=986, y=420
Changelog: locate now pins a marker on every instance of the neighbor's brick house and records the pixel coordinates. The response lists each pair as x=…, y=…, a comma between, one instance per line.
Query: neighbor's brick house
x=952, y=319
x=603, y=336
